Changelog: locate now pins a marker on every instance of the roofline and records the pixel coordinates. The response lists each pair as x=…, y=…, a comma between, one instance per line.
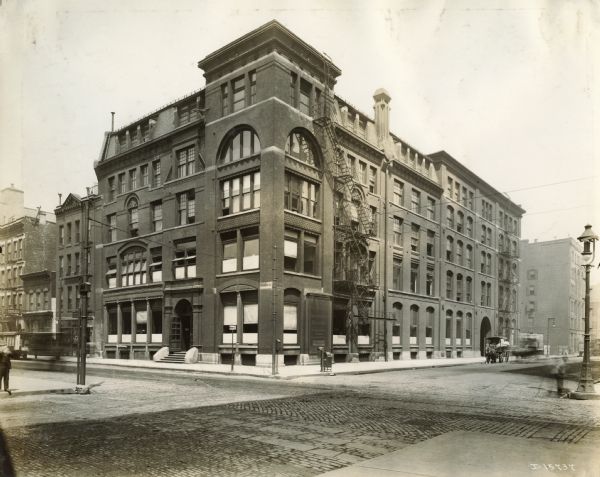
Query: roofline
x=445, y=157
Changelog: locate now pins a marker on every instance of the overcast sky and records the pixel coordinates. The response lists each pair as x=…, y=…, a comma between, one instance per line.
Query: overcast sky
x=510, y=89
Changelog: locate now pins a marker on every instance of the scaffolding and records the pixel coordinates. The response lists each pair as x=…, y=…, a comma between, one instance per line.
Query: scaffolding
x=354, y=279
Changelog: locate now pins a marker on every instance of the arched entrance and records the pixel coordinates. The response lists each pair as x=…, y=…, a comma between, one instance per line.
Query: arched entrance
x=181, y=327
x=485, y=330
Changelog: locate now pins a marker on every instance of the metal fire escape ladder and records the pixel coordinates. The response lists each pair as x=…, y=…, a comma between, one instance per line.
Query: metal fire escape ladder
x=352, y=277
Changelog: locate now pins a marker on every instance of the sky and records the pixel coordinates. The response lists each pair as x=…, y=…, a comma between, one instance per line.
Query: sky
x=511, y=89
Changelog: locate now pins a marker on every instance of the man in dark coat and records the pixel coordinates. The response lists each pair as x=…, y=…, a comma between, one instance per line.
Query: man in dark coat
x=5, y=366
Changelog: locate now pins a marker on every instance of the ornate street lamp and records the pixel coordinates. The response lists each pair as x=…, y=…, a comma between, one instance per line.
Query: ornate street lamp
x=585, y=388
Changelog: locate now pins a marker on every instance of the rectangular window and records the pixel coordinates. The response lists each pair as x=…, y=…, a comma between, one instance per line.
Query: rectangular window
x=397, y=273
x=133, y=179
x=363, y=172
x=157, y=217
x=429, y=282
x=240, y=193
x=61, y=238
x=156, y=173
x=112, y=189
x=250, y=323
x=144, y=175
x=397, y=226
x=250, y=259
x=133, y=269
x=61, y=267
x=290, y=250
x=293, y=83
x=310, y=254
x=373, y=180
x=304, y=104
x=239, y=93
x=69, y=270
x=77, y=263
x=229, y=256
x=414, y=238
x=156, y=265
x=77, y=231
x=301, y=196
x=252, y=87
x=430, y=208
x=112, y=227
x=186, y=161
x=122, y=185
x=414, y=277
x=430, y=243
x=225, y=99
x=186, y=207
x=415, y=201
x=449, y=187
x=184, y=263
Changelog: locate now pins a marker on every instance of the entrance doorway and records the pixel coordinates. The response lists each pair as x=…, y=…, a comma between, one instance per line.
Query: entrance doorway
x=181, y=327
x=484, y=331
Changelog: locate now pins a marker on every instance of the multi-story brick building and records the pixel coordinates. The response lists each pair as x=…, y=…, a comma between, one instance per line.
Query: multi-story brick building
x=27, y=241
x=222, y=215
x=71, y=254
x=39, y=301
x=553, y=285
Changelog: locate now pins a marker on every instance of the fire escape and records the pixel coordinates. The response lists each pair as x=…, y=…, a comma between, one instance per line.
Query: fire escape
x=354, y=279
x=508, y=280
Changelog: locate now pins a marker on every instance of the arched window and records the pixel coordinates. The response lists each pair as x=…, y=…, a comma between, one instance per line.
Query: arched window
x=299, y=147
x=243, y=143
x=469, y=290
x=449, y=249
x=469, y=260
x=468, y=328
x=470, y=227
x=450, y=217
x=449, y=284
x=397, y=324
x=459, y=327
x=459, y=252
x=132, y=212
x=449, y=327
x=414, y=324
x=459, y=287
x=460, y=222
x=429, y=325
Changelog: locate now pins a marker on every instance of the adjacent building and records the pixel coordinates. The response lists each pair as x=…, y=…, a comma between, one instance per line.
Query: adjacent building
x=73, y=258
x=265, y=215
x=28, y=242
x=553, y=293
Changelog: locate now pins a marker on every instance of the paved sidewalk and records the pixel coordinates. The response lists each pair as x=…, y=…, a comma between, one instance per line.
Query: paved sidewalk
x=27, y=386
x=284, y=372
x=475, y=454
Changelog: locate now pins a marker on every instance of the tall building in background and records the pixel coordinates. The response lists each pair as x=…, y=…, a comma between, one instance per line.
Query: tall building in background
x=553, y=293
x=595, y=319
x=265, y=214
x=28, y=242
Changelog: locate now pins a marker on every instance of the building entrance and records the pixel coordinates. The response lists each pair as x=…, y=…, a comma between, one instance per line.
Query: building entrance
x=181, y=327
x=484, y=331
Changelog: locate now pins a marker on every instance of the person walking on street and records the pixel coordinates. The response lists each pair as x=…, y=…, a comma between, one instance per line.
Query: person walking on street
x=5, y=366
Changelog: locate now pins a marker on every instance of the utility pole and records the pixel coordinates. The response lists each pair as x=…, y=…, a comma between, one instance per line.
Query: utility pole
x=84, y=290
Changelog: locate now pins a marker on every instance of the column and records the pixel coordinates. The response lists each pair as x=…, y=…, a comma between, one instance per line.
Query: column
x=105, y=331
x=240, y=326
x=148, y=327
x=119, y=329
x=133, y=330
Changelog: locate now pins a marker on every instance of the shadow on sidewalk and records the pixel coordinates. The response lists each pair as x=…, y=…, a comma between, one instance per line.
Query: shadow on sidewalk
x=6, y=467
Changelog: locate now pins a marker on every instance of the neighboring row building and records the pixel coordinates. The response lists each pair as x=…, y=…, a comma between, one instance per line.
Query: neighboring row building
x=27, y=259
x=265, y=210
x=553, y=293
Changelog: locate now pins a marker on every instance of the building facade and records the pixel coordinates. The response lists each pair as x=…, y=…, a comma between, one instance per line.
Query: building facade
x=39, y=302
x=27, y=241
x=265, y=215
x=73, y=255
x=553, y=293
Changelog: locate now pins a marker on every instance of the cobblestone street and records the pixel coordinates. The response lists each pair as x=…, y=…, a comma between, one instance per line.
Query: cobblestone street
x=190, y=426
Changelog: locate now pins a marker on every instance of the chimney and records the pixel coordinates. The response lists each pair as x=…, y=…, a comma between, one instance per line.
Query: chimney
x=112, y=121
x=382, y=114
x=59, y=198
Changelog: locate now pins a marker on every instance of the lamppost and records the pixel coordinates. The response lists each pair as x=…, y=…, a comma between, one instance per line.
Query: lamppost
x=548, y=333
x=585, y=388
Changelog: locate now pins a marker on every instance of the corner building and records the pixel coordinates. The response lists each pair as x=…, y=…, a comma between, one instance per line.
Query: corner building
x=221, y=216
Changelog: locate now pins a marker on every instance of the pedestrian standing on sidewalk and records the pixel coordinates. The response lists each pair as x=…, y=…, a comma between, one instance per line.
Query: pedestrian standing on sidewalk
x=5, y=366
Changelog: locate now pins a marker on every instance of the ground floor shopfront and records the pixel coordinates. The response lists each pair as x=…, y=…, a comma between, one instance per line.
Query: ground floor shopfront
x=248, y=325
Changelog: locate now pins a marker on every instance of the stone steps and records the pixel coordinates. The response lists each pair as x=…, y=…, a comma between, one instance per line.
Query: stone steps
x=176, y=357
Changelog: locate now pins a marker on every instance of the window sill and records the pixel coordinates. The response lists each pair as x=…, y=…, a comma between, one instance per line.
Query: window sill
x=231, y=274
